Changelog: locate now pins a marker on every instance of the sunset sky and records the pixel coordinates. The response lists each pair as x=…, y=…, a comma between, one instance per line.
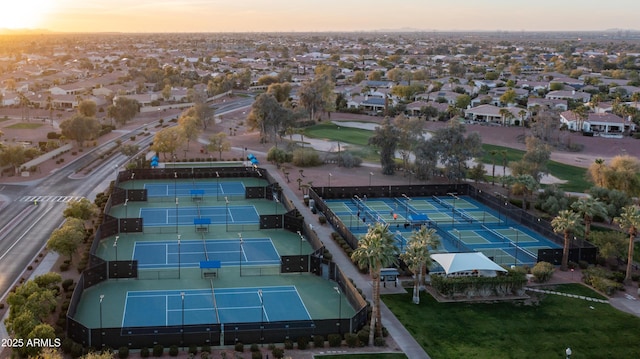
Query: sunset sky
x=313, y=15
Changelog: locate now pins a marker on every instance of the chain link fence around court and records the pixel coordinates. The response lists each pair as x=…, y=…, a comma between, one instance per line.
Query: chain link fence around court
x=99, y=271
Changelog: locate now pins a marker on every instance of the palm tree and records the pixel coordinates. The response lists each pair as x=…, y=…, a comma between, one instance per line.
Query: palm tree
x=504, y=164
x=581, y=115
x=589, y=207
x=565, y=222
x=504, y=113
x=376, y=250
x=596, y=170
x=493, y=154
x=418, y=257
x=629, y=221
x=635, y=97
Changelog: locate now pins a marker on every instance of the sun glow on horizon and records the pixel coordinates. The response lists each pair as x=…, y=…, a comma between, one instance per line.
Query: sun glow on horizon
x=24, y=14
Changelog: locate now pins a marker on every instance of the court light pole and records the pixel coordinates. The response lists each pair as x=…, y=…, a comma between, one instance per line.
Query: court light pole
x=261, y=318
x=406, y=206
x=339, y=323
x=515, y=261
x=240, y=262
x=453, y=209
x=370, y=175
x=179, y=260
x=133, y=183
x=115, y=246
x=176, y=214
x=126, y=213
x=459, y=237
x=226, y=213
x=182, y=329
x=101, y=298
x=217, y=185
x=175, y=184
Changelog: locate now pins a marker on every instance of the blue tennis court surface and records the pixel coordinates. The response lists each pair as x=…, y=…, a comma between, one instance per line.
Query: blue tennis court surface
x=204, y=306
x=185, y=215
x=167, y=254
x=462, y=223
x=184, y=189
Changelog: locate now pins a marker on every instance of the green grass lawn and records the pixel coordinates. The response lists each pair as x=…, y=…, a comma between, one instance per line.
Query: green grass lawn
x=510, y=330
x=331, y=131
x=25, y=126
x=576, y=176
x=364, y=356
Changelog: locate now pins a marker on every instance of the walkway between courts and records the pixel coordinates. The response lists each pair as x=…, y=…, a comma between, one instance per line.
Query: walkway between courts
x=398, y=332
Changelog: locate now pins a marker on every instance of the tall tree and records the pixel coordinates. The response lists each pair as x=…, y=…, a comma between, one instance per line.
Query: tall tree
x=418, y=257
x=493, y=154
x=80, y=129
x=629, y=221
x=409, y=132
x=588, y=208
x=317, y=95
x=82, y=209
x=12, y=155
x=566, y=222
x=506, y=116
x=269, y=116
x=508, y=97
x=386, y=137
x=168, y=140
x=191, y=128
x=218, y=142
x=87, y=108
x=596, y=171
x=450, y=147
x=123, y=110
x=525, y=184
x=66, y=239
x=376, y=250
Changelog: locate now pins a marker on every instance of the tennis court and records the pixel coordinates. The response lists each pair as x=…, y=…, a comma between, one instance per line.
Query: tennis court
x=184, y=189
x=462, y=223
x=185, y=215
x=205, y=306
x=189, y=253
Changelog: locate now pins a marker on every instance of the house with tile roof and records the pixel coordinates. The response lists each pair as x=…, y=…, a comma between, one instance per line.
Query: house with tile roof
x=600, y=124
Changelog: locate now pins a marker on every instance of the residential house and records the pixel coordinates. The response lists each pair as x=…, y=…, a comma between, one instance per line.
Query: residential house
x=600, y=124
x=545, y=103
x=583, y=97
x=491, y=114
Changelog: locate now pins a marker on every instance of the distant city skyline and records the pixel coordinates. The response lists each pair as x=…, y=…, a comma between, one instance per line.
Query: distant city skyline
x=328, y=15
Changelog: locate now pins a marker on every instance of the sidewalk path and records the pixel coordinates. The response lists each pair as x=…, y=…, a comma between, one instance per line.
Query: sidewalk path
x=402, y=337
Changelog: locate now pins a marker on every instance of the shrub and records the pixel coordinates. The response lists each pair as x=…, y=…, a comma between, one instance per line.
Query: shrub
x=174, y=350
x=379, y=342
x=205, y=348
x=239, y=347
x=351, y=340
x=66, y=345
x=30, y=267
x=256, y=355
x=193, y=349
x=318, y=341
x=306, y=157
x=542, y=271
x=144, y=352
x=66, y=284
x=363, y=334
x=76, y=350
x=322, y=219
x=288, y=344
x=254, y=348
x=158, y=350
x=278, y=353
x=350, y=161
x=123, y=352
x=64, y=267
x=303, y=342
x=335, y=340
x=204, y=355
x=271, y=346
